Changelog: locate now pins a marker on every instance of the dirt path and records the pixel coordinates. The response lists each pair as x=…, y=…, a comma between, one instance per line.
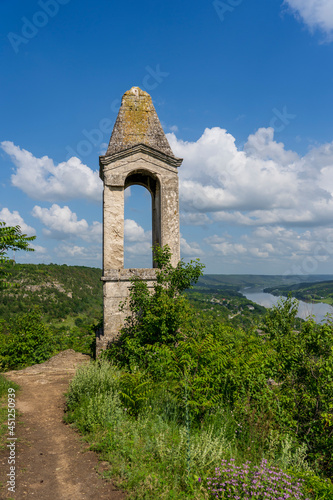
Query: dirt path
x=51, y=461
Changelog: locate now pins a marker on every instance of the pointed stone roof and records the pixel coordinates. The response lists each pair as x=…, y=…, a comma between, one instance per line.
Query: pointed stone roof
x=137, y=123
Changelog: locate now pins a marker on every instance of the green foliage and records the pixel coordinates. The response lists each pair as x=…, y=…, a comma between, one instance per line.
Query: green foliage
x=90, y=379
x=5, y=385
x=302, y=367
x=69, y=300
x=188, y=391
x=316, y=487
x=29, y=341
x=309, y=292
x=61, y=292
x=134, y=391
x=160, y=317
x=149, y=451
x=11, y=238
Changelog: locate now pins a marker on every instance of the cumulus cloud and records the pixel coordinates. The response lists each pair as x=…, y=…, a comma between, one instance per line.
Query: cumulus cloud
x=138, y=242
x=69, y=251
x=190, y=249
x=15, y=219
x=139, y=249
x=61, y=223
x=134, y=232
x=314, y=13
x=42, y=180
x=306, y=248
x=263, y=183
x=39, y=249
x=224, y=247
x=194, y=219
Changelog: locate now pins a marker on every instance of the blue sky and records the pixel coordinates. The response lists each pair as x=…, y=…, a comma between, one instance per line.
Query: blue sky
x=243, y=89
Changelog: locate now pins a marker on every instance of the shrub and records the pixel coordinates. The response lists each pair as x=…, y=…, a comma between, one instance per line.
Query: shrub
x=25, y=341
x=302, y=369
x=159, y=317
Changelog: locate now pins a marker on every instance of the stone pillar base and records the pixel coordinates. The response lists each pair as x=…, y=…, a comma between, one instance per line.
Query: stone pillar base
x=116, y=287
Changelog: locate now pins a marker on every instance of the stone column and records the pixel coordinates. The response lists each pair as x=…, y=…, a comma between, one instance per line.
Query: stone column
x=113, y=228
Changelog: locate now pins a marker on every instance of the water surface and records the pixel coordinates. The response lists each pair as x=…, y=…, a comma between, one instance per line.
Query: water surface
x=318, y=310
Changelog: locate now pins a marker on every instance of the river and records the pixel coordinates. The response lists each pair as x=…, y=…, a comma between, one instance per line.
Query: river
x=319, y=310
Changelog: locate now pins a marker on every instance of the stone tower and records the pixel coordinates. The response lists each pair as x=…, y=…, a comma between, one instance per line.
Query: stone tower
x=138, y=153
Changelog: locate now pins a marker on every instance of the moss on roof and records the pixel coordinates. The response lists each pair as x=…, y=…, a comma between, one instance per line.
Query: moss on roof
x=137, y=123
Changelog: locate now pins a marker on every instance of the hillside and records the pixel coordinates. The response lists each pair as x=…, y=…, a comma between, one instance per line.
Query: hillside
x=308, y=292
x=72, y=296
x=60, y=291
x=240, y=281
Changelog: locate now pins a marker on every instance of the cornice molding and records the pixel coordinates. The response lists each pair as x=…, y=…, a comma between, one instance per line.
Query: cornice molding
x=140, y=148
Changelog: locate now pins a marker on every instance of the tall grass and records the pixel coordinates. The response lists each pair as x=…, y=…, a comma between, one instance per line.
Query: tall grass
x=159, y=452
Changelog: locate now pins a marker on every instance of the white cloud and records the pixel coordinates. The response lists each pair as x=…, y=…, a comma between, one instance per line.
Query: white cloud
x=221, y=246
x=314, y=13
x=62, y=223
x=139, y=249
x=68, y=251
x=262, y=145
x=103, y=147
x=223, y=177
x=294, y=252
x=190, y=249
x=127, y=193
x=173, y=128
x=194, y=219
x=15, y=219
x=262, y=184
x=38, y=249
x=134, y=232
x=138, y=243
x=41, y=179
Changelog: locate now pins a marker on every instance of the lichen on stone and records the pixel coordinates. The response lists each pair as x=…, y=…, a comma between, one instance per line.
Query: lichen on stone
x=137, y=123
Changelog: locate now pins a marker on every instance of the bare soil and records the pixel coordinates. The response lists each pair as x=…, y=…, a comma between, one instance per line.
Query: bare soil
x=52, y=463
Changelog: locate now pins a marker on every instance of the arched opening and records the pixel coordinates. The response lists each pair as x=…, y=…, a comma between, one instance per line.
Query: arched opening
x=142, y=227
x=137, y=228
x=142, y=219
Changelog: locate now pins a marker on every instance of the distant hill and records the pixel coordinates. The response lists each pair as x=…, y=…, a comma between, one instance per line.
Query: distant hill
x=308, y=292
x=69, y=295
x=240, y=281
x=59, y=291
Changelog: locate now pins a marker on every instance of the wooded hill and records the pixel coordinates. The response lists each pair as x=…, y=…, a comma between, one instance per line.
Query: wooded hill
x=308, y=292
x=59, y=291
x=73, y=295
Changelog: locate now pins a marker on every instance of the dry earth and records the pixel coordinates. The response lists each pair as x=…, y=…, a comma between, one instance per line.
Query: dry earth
x=52, y=463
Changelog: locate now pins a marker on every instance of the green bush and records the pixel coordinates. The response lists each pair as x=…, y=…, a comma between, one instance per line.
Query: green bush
x=302, y=368
x=25, y=341
x=160, y=317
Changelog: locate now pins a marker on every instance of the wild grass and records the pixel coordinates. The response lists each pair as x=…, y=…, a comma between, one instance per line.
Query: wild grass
x=158, y=453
